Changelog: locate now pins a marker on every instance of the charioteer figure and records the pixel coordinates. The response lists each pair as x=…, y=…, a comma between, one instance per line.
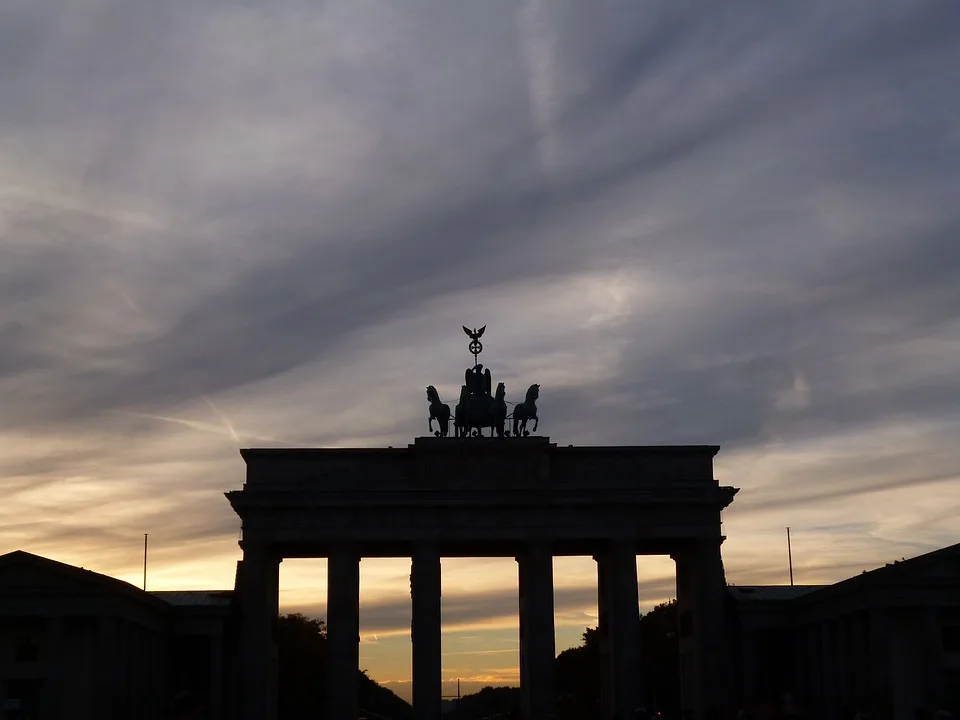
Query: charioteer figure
x=477, y=380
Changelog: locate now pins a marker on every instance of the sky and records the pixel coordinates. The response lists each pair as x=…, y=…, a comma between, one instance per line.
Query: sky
x=229, y=225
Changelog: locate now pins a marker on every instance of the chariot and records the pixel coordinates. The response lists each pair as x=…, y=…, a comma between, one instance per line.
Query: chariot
x=478, y=408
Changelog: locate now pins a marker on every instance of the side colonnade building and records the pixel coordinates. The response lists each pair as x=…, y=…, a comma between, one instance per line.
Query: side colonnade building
x=521, y=497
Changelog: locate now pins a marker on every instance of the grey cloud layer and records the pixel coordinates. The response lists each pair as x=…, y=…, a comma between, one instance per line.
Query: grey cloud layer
x=197, y=200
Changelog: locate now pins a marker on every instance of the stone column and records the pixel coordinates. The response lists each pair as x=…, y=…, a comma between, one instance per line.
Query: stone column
x=748, y=663
x=619, y=610
x=933, y=652
x=105, y=695
x=54, y=658
x=879, y=661
x=425, y=632
x=828, y=631
x=537, y=642
x=816, y=637
x=798, y=661
x=158, y=685
x=343, y=633
x=803, y=667
x=867, y=648
x=704, y=646
x=844, y=661
x=259, y=607
x=812, y=669
x=215, y=699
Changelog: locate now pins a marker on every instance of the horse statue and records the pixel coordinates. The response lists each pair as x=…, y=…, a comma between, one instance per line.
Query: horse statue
x=527, y=410
x=499, y=410
x=476, y=411
x=439, y=412
x=460, y=413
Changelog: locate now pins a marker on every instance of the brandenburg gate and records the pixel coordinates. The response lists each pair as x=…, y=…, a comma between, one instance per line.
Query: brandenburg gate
x=517, y=496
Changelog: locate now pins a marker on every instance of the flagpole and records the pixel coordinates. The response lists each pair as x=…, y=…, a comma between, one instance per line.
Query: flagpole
x=790, y=556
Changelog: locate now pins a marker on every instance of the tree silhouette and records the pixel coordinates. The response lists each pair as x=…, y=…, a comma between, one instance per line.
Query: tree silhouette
x=302, y=664
x=578, y=669
x=578, y=678
x=301, y=667
x=302, y=661
x=659, y=658
x=490, y=702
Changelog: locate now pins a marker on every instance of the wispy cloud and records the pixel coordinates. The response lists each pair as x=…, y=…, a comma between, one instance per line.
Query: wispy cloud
x=225, y=225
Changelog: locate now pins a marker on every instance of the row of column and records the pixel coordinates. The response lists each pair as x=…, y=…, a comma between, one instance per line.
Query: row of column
x=873, y=660
x=537, y=645
x=619, y=631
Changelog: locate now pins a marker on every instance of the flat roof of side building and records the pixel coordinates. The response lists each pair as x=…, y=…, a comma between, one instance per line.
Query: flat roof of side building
x=769, y=593
x=195, y=598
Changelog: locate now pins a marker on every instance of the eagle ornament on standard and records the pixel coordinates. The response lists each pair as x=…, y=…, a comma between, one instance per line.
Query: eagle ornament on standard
x=478, y=408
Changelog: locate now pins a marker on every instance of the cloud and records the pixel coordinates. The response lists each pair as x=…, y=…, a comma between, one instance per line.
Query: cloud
x=223, y=225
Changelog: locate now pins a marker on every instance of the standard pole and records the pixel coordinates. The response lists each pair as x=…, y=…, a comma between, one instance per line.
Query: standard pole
x=790, y=556
x=145, y=562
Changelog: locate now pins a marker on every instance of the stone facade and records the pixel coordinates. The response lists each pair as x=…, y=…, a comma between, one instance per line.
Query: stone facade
x=524, y=498
x=886, y=642
x=75, y=644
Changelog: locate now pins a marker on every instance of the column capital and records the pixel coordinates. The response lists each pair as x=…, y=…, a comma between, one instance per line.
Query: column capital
x=345, y=551
x=536, y=548
x=260, y=549
x=690, y=549
x=427, y=548
x=626, y=545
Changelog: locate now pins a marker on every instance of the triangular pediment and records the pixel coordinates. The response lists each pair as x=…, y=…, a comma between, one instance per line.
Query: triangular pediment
x=943, y=565
x=23, y=571
x=937, y=567
x=29, y=577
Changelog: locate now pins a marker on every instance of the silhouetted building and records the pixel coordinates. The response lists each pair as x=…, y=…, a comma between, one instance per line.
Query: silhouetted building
x=886, y=641
x=77, y=644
